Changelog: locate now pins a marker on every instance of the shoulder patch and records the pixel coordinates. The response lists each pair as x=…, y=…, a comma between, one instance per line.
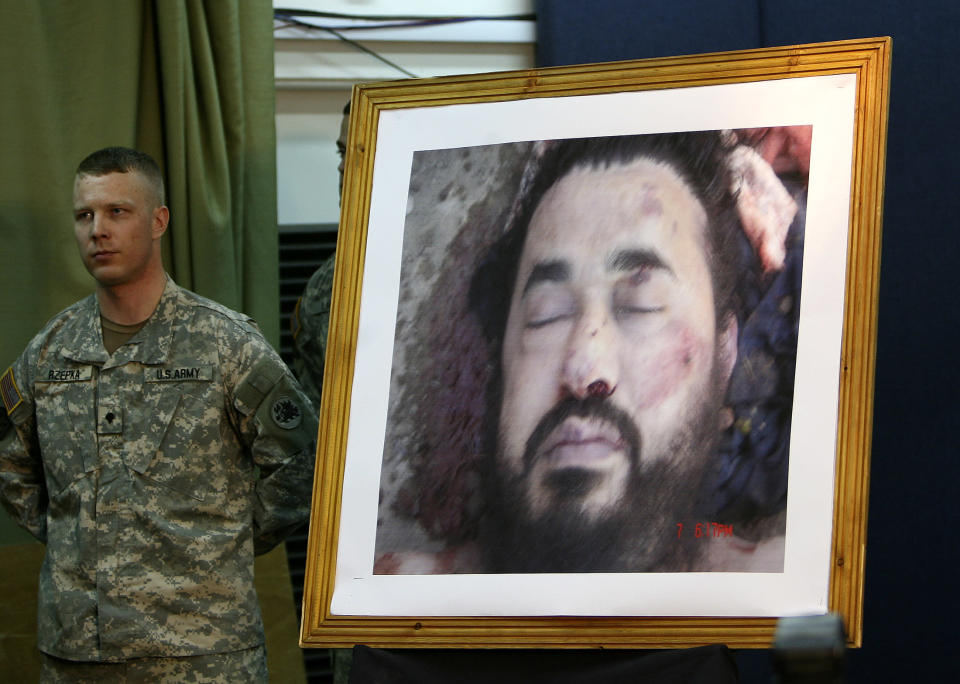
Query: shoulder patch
x=9, y=391
x=286, y=413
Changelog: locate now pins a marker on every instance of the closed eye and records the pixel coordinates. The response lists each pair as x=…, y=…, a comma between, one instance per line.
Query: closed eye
x=643, y=291
x=544, y=322
x=546, y=303
x=638, y=310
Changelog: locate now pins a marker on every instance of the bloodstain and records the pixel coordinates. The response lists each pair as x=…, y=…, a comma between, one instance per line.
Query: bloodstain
x=661, y=374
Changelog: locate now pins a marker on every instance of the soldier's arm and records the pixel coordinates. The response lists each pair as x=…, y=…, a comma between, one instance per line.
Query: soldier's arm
x=23, y=490
x=309, y=325
x=280, y=427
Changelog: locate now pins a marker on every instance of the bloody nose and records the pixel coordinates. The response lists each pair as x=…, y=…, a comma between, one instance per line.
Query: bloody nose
x=599, y=388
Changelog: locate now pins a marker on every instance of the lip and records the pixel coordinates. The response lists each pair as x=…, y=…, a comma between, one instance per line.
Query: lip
x=582, y=442
x=101, y=254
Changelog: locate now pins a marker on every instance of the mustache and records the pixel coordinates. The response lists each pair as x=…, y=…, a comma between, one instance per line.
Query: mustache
x=599, y=408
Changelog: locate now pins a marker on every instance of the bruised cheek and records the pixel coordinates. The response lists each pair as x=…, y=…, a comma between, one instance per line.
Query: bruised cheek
x=661, y=374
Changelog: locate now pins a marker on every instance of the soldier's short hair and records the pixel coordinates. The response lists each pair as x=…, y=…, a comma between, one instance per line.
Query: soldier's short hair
x=124, y=160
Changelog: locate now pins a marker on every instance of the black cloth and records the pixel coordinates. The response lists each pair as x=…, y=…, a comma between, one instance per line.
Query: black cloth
x=704, y=665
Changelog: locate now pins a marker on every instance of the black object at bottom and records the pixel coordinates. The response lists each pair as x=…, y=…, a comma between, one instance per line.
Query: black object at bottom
x=704, y=665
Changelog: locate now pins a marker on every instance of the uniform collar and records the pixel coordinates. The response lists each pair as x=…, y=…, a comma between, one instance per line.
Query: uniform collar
x=150, y=345
x=82, y=335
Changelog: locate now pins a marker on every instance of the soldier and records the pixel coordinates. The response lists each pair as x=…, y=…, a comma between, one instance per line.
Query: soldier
x=309, y=324
x=155, y=442
x=311, y=315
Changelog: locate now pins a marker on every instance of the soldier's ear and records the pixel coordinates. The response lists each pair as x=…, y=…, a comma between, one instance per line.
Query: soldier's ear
x=727, y=346
x=161, y=218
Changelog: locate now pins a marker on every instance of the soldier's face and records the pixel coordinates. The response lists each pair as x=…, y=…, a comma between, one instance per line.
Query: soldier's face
x=612, y=356
x=117, y=224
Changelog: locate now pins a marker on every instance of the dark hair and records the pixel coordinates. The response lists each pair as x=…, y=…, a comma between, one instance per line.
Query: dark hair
x=123, y=160
x=699, y=158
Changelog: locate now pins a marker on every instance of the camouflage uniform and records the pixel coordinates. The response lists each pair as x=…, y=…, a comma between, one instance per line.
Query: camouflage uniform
x=248, y=665
x=309, y=324
x=153, y=475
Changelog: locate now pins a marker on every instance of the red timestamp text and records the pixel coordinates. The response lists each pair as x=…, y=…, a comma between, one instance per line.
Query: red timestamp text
x=704, y=530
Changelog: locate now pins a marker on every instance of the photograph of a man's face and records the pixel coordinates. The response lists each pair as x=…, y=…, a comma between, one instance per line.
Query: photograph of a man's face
x=594, y=356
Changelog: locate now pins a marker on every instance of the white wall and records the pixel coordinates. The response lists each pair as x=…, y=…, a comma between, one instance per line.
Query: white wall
x=314, y=72
x=308, y=122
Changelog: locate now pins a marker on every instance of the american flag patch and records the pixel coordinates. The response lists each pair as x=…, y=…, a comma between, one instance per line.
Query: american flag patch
x=9, y=392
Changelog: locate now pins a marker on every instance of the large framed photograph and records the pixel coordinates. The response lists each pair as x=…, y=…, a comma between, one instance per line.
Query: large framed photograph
x=601, y=353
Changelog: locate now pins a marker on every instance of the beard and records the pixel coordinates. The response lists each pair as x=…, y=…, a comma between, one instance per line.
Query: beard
x=636, y=533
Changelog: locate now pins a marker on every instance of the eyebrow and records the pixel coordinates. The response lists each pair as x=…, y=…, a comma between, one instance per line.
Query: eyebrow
x=112, y=204
x=558, y=271
x=632, y=259
x=547, y=271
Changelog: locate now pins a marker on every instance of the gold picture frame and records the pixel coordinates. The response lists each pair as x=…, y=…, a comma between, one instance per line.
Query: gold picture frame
x=366, y=292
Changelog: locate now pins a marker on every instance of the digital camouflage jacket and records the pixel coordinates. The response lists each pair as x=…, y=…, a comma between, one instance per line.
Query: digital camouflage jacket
x=153, y=475
x=309, y=325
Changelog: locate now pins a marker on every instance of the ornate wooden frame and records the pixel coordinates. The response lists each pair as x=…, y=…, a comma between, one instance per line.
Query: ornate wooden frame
x=868, y=60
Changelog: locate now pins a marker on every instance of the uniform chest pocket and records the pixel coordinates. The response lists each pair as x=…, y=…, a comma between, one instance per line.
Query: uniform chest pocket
x=65, y=408
x=177, y=436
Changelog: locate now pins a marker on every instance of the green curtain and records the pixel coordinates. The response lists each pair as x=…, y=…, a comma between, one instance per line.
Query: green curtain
x=217, y=137
x=190, y=82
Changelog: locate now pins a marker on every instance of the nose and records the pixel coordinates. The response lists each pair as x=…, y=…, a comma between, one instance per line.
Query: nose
x=98, y=226
x=590, y=367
